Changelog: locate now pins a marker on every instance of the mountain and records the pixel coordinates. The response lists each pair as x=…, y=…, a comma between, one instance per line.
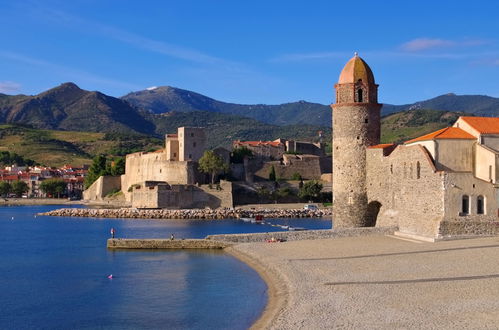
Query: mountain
x=478, y=105
x=68, y=107
x=165, y=99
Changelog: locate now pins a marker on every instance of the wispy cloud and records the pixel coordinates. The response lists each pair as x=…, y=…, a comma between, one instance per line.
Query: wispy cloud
x=67, y=72
x=424, y=44
x=136, y=40
x=9, y=87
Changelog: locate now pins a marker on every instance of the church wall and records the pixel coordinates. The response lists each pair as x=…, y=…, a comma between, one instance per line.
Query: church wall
x=491, y=141
x=485, y=163
x=459, y=184
x=460, y=123
x=454, y=155
x=408, y=188
x=429, y=145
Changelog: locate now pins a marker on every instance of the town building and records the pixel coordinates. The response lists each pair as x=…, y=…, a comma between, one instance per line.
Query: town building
x=443, y=184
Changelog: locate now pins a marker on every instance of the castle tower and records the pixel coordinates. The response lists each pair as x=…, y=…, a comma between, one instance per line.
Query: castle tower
x=356, y=126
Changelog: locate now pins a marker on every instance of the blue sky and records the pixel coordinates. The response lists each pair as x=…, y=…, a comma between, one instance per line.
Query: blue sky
x=251, y=51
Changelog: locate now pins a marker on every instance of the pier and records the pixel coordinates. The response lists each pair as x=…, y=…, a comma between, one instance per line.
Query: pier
x=176, y=244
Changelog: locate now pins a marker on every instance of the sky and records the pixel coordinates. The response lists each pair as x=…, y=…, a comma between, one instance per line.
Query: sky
x=251, y=52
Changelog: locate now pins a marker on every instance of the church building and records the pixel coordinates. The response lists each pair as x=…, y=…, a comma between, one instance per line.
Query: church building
x=443, y=184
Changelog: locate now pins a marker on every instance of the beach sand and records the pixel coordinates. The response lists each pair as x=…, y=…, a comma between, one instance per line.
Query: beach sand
x=377, y=282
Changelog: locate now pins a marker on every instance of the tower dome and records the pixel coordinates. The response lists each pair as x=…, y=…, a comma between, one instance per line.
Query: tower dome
x=356, y=69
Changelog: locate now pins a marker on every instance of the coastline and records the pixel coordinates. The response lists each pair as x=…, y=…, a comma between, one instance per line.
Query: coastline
x=365, y=282
x=38, y=201
x=277, y=290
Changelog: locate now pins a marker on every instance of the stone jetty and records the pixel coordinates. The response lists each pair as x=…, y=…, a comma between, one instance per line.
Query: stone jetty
x=201, y=214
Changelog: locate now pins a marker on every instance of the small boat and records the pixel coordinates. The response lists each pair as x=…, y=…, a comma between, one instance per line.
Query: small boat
x=259, y=218
x=247, y=219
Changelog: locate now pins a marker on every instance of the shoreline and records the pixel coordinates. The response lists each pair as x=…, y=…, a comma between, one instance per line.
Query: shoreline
x=277, y=290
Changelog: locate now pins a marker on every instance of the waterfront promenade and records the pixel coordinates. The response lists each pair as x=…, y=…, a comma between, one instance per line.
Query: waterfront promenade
x=378, y=282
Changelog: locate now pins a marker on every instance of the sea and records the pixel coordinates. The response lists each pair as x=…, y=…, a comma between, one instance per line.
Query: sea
x=55, y=274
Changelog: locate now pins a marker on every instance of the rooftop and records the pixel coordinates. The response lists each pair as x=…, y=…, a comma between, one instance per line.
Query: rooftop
x=484, y=125
x=444, y=133
x=356, y=69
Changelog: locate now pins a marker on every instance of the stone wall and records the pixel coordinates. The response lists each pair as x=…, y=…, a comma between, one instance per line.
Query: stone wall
x=405, y=190
x=308, y=166
x=154, y=166
x=162, y=195
x=118, y=243
x=303, y=235
x=469, y=228
x=101, y=187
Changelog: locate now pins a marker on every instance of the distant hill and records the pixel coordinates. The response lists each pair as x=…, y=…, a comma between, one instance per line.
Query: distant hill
x=165, y=99
x=68, y=107
x=478, y=105
x=402, y=126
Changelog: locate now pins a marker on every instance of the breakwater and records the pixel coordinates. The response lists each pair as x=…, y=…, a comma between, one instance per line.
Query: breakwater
x=207, y=214
x=119, y=243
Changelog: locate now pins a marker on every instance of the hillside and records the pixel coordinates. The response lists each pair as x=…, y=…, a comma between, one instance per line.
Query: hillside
x=224, y=128
x=56, y=148
x=68, y=107
x=406, y=125
x=166, y=99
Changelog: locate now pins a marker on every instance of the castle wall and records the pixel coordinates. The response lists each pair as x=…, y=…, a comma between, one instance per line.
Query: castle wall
x=309, y=167
x=140, y=167
x=160, y=195
x=172, y=149
x=408, y=189
x=191, y=143
x=101, y=187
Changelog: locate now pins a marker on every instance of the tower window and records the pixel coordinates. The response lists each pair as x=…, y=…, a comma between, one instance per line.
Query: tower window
x=418, y=170
x=360, y=95
x=366, y=120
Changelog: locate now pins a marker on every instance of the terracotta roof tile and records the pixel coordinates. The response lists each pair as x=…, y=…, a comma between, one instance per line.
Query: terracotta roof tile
x=484, y=125
x=444, y=133
x=382, y=146
x=259, y=143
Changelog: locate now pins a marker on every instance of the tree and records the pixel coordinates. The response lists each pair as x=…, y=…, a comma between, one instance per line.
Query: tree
x=211, y=164
x=296, y=176
x=19, y=188
x=5, y=188
x=53, y=187
x=238, y=155
x=272, y=176
x=310, y=190
x=97, y=169
x=118, y=167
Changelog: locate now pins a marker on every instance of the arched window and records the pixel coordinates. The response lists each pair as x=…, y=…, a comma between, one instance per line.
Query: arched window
x=480, y=205
x=418, y=170
x=360, y=95
x=465, y=207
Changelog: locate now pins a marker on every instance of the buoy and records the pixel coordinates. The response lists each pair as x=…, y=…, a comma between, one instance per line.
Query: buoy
x=110, y=276
x=12, y=218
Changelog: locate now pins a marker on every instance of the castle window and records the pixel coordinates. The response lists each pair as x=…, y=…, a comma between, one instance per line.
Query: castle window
x=366, y=120
x=174, y=154
x=359, y=95
x=480, y=205
x=465, y=205
x=190, y=156
x=391, y=168
x=418, y=170
x=160, y=170
x=490, y=173
x=192, y=134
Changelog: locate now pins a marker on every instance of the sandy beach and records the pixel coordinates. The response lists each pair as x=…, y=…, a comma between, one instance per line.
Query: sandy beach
x=377, y=282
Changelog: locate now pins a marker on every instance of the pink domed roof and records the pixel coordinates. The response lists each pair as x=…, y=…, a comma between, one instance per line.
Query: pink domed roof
x=354, y=70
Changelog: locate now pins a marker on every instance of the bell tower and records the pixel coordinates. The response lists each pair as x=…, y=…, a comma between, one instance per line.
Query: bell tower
x=356, y=126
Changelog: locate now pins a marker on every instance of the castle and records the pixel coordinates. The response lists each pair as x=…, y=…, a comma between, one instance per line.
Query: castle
x=438, y=185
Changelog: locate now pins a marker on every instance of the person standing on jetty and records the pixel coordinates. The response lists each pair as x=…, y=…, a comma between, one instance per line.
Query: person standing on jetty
x=172, y=237
x=112, y=232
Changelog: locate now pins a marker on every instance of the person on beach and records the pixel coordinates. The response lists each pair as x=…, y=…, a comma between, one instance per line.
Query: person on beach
x=112, y=232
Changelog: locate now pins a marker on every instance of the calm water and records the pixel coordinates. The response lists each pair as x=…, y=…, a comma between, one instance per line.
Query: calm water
x=54, y=275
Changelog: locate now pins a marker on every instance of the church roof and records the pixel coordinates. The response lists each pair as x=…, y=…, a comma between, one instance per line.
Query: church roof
x=484, y=125
x=354, y=70
x=444, y=133
x=382, y=146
